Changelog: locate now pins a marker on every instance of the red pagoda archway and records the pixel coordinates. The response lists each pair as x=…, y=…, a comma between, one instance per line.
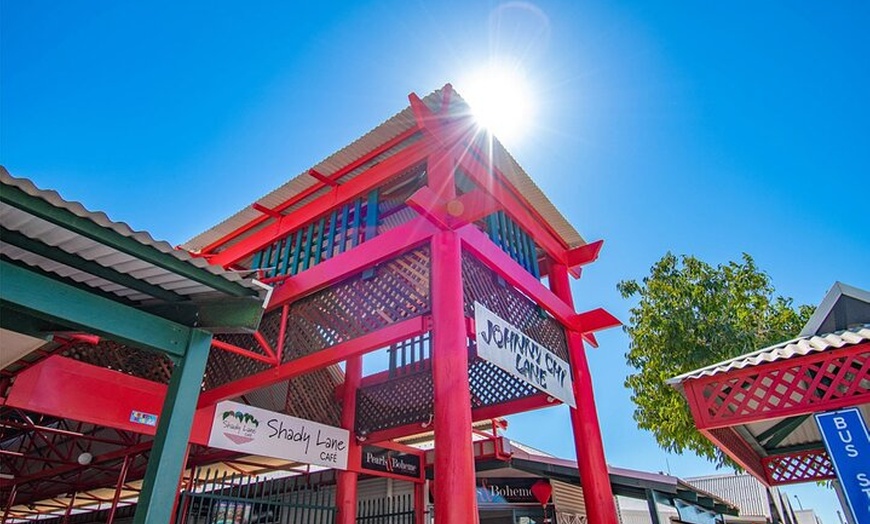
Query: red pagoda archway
x=392, y=244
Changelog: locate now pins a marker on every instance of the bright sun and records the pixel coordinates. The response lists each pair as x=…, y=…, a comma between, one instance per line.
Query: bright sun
x=501, y=101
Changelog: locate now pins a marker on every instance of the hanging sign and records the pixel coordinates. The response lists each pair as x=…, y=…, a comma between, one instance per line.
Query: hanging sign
x=378, y=459
x=507, y=347
x=248, y=429
x=848, y=444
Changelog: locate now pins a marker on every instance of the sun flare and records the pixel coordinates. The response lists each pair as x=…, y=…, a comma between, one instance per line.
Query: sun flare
x=501, y=100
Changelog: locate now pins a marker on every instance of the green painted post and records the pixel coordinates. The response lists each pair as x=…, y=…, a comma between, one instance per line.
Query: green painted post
x=343, y=236
x=288, y=253
x=330, y=243
x=357, y=211
x=309, y=239
x=372, y=215
x=318, y=244
x=169, y=450
x=294, y=266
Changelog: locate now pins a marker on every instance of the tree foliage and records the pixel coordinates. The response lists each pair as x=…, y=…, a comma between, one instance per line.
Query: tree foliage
x=690, y=315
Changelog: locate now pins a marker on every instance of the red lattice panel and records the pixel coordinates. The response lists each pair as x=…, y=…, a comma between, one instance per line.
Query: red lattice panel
x=481, y=284
x=224, y=367
x=803, y=466
x=397, y=290
x=108, y=354
x=311, y=397
x=735, y=447
x=406, y=399
x=490, y=385
x=823, y=381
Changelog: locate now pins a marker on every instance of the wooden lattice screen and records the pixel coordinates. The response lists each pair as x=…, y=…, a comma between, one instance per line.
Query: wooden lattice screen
x=826, y=380
x=483, y=285
x=802, y=466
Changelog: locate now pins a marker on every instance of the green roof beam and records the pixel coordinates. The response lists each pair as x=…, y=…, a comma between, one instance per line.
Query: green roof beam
x=34, y=294
x=772, y=437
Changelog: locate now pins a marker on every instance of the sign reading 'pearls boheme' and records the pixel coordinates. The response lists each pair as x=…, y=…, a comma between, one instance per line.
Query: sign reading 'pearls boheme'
x=239, y=427
x=510, y=349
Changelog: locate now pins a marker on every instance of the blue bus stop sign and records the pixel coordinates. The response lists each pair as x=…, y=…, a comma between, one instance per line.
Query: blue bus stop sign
x=848, y=444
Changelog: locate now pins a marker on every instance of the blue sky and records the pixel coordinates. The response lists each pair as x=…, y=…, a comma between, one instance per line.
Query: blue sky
x=706, y=128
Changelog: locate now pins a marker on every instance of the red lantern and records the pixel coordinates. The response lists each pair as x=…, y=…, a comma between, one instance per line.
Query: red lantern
x=542, y=491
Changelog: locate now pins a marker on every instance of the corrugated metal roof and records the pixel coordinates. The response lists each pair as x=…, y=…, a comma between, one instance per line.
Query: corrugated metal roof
x=402, y=122
x=745, y=491
x=54, y=235
x=792, y=348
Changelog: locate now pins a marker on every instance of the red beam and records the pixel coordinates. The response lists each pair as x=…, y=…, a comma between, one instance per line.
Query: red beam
x=429, y=205
x=516, y=206
x=368, y=157
x=551, y=244
x=61, y=470
x=478, y=243
x=371, y=178
x=585, y=254
x=367, y=254
x=320, y=359
x=490, y=254
x=454, y=213
x=67, y=388
x=473, y=206
x=266, y=211
x=265, y=345
x=232, y=348
x=323, y=178
x=70, y=389
x=530, y=403
x=595, y=320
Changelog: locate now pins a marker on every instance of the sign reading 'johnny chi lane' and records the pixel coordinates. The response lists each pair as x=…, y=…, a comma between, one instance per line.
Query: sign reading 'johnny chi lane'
x=507, y=347
x=248, y=429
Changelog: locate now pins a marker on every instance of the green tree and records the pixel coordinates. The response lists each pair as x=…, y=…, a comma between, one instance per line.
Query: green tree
x=690, y=315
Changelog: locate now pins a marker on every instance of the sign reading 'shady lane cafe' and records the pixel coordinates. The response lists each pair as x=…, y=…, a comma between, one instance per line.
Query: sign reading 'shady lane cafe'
x=510, y=349
x=239, y=427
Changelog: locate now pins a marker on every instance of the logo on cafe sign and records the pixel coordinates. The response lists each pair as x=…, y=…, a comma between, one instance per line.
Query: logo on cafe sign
x=239, y=426
x=508, y=348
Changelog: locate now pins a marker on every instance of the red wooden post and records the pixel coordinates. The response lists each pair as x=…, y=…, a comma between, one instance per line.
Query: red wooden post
x=346, y=484
x=10, y=502
x=584, y=420
x=122, y=478
x=68, y=512
x=420, y=501
x=455, y=494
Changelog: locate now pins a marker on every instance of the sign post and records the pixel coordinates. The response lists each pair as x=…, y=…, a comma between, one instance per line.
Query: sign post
x=845, y=435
